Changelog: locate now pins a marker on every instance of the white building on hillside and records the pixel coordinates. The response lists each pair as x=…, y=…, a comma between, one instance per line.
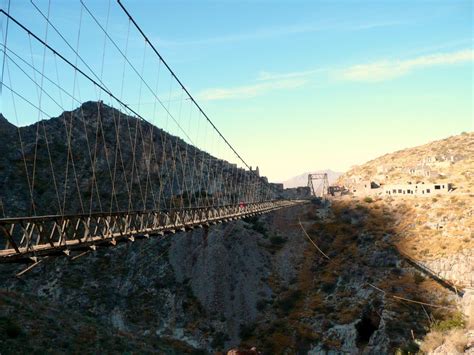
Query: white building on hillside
x=424, y=171
x=442, y=160
x=365, y=188
x=418, y=189
x=383, y=169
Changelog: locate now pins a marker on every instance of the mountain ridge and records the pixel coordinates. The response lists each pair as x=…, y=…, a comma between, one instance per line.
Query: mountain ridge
x=97, y=158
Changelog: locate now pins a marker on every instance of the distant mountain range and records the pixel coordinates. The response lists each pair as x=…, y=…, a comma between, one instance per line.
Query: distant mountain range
x=302, y=180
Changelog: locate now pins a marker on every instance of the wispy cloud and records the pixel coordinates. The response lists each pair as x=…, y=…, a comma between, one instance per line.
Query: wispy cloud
x=274, y=32
x=370, y=72
x=265, y=82
x=257, y=34
x=264, y=75
x=390, y=69
x=249, y=91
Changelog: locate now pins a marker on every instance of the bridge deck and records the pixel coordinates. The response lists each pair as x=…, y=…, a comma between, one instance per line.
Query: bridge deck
x=29, y=237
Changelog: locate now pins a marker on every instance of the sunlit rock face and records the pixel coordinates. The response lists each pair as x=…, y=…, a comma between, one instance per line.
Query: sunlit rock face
x=457, y=268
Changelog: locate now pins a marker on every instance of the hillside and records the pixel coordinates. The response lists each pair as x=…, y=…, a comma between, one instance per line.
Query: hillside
x=450, y=159
x=113, y=162
x=434, y=226
x=434, y=229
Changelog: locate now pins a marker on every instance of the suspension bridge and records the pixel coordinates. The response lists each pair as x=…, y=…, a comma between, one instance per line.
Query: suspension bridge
x=100, y=142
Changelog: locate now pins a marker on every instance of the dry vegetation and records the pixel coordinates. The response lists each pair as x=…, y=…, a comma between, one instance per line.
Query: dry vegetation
x=430, y=228
x=448, y=332
x=28, y=324
x=336, y=292
x=435, y=226
x=461, y=173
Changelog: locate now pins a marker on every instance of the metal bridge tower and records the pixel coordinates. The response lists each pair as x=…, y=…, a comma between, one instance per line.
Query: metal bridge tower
x=323, y=178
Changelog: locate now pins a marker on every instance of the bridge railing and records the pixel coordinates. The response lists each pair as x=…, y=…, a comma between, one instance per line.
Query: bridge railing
x=27, y=237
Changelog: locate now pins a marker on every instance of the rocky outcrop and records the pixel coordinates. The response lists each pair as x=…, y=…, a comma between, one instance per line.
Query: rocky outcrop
x=467, y=306
x=302, y=192
x=457, y=268
x=226, y=271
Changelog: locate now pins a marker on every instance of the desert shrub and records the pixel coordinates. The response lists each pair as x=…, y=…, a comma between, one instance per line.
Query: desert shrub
x=418, y=278
x=458, y=338
x=455, y=321
x=431, y=341
x=368, y=199
x=328, y=287
x=287, y=303
x=434, y=339
x=219, y=340
x=408, y=349
x=261, y=305
x=9, y=327
x=277, y=240
x=257, y=225
x=246, y=331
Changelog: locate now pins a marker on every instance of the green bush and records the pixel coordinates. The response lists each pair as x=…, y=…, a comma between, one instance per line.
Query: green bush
x=287, y=303
x=261, y=305
x=9, y=327
x=257, y=226
x=277, y=240
x=368, y=199
x=455, y=321
x=246, y=330
x=327, y=287
x=418, y=278
x=219, y=340
x=408, y=349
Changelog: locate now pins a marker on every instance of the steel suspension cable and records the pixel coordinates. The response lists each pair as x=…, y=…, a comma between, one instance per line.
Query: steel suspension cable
x=132, y=66
x=179, y=82
x=131, y=18
x=30, y=187
x=61, y=106
x=5, y=35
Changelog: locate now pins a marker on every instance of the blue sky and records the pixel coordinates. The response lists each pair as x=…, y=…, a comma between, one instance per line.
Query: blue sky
x=294, y=85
